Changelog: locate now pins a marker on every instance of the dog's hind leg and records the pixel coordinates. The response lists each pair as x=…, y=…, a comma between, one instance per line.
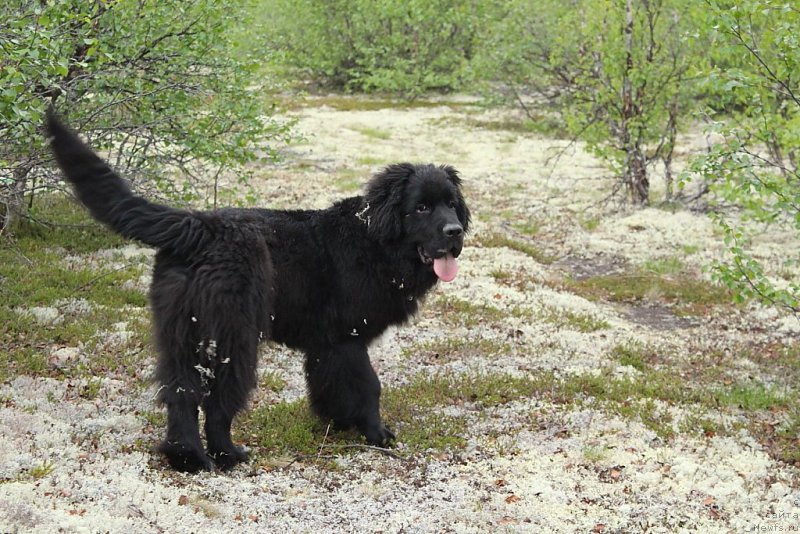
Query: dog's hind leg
x=343, y=387
x=235, y=377
x=181, y=388
x=181, y=393
x=234, y=308
x=182, y=446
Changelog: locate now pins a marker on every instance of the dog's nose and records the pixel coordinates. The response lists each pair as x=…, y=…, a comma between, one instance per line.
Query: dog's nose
x=453, y=230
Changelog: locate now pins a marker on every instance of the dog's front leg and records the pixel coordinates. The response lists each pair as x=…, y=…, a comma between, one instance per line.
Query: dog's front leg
x=343, y=387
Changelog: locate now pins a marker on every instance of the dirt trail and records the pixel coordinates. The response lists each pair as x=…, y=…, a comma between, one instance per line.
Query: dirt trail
x=530, y=465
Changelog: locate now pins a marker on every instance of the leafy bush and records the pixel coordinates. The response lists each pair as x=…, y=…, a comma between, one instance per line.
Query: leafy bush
x=612, y=71
x=753, y=79
x=375, y=45
x=153, y=83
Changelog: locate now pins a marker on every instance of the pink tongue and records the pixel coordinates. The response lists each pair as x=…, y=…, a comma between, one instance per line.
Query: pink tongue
x=446, y=268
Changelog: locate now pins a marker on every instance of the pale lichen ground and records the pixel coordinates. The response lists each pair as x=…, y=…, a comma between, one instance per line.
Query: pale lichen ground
x=81, y=465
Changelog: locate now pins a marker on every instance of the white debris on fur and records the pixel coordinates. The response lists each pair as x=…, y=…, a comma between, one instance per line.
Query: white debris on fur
x=360, y=215
x=205, y=372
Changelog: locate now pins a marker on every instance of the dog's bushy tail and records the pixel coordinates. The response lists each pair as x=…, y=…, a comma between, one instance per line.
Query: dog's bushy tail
x=111, y=201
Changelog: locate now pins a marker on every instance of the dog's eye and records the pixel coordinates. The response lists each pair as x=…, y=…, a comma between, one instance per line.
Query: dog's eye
x=452, y=204
x=421, y=208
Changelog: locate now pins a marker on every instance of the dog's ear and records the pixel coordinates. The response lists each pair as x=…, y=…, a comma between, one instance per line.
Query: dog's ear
x=462, y=211
x=384, y=201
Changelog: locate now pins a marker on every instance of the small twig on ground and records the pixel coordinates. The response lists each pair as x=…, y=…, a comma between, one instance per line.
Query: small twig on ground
x=387, y=452
x=136, y=511
x=324, y=438
x=96, y=279
x=312, y=457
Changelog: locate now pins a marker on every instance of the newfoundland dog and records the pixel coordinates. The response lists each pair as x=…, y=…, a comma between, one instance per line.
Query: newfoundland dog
x=326, y=282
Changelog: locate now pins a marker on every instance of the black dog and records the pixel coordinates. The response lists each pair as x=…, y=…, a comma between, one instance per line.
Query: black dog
x=326, y=282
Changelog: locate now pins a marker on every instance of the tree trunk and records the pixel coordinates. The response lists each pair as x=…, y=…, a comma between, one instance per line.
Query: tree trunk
x=669, y=150
x=635, y=178
x=635, y=172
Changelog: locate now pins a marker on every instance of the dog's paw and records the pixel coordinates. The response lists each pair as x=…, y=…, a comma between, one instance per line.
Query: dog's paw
x=182, y=457
x=229, y=458
x=379, y=435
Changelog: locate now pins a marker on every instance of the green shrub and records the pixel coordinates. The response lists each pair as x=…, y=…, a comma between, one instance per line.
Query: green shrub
x=752, y=78
x=154, y=83
x=375, y=45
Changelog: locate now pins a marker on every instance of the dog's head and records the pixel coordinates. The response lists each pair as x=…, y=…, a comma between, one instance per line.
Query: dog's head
x=420, y=208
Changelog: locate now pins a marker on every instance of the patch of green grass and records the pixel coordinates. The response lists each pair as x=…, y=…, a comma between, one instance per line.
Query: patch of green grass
x=118, y=357
x=56, y=220
x=689, y=249
x=280, y=429
x=627, y=397
x=301, y=164
x=349, y=180
x=371, y=161
x=631, y=354
x=413, y=411
x=519, y=280
x=606, y=386
x=425, y=431
x=783, y=360
x=273, y=382
x=594, y=454
x=204, y=506
x=34, y=474
x=487, y=390
x=647, y=412
x=21, y=360
x=523, y=223
x=589, y=224
x=496, y=240
x=373, y=133
x=454, y=311
x=637, y=397
x=91, y=389
x=414, y=405
x=530, y=227
x=752, y=396
x=581, y=322
x=42, y=470
x=697, y=423
x=670, y=206
x=33, y=274
x=155, y=418
x=785, y=442
x=690, y=296
x=501, y=276
x=26, y=344
x=664, y=266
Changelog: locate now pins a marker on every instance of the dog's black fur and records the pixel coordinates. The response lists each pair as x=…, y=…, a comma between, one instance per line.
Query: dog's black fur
x=326, y=282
